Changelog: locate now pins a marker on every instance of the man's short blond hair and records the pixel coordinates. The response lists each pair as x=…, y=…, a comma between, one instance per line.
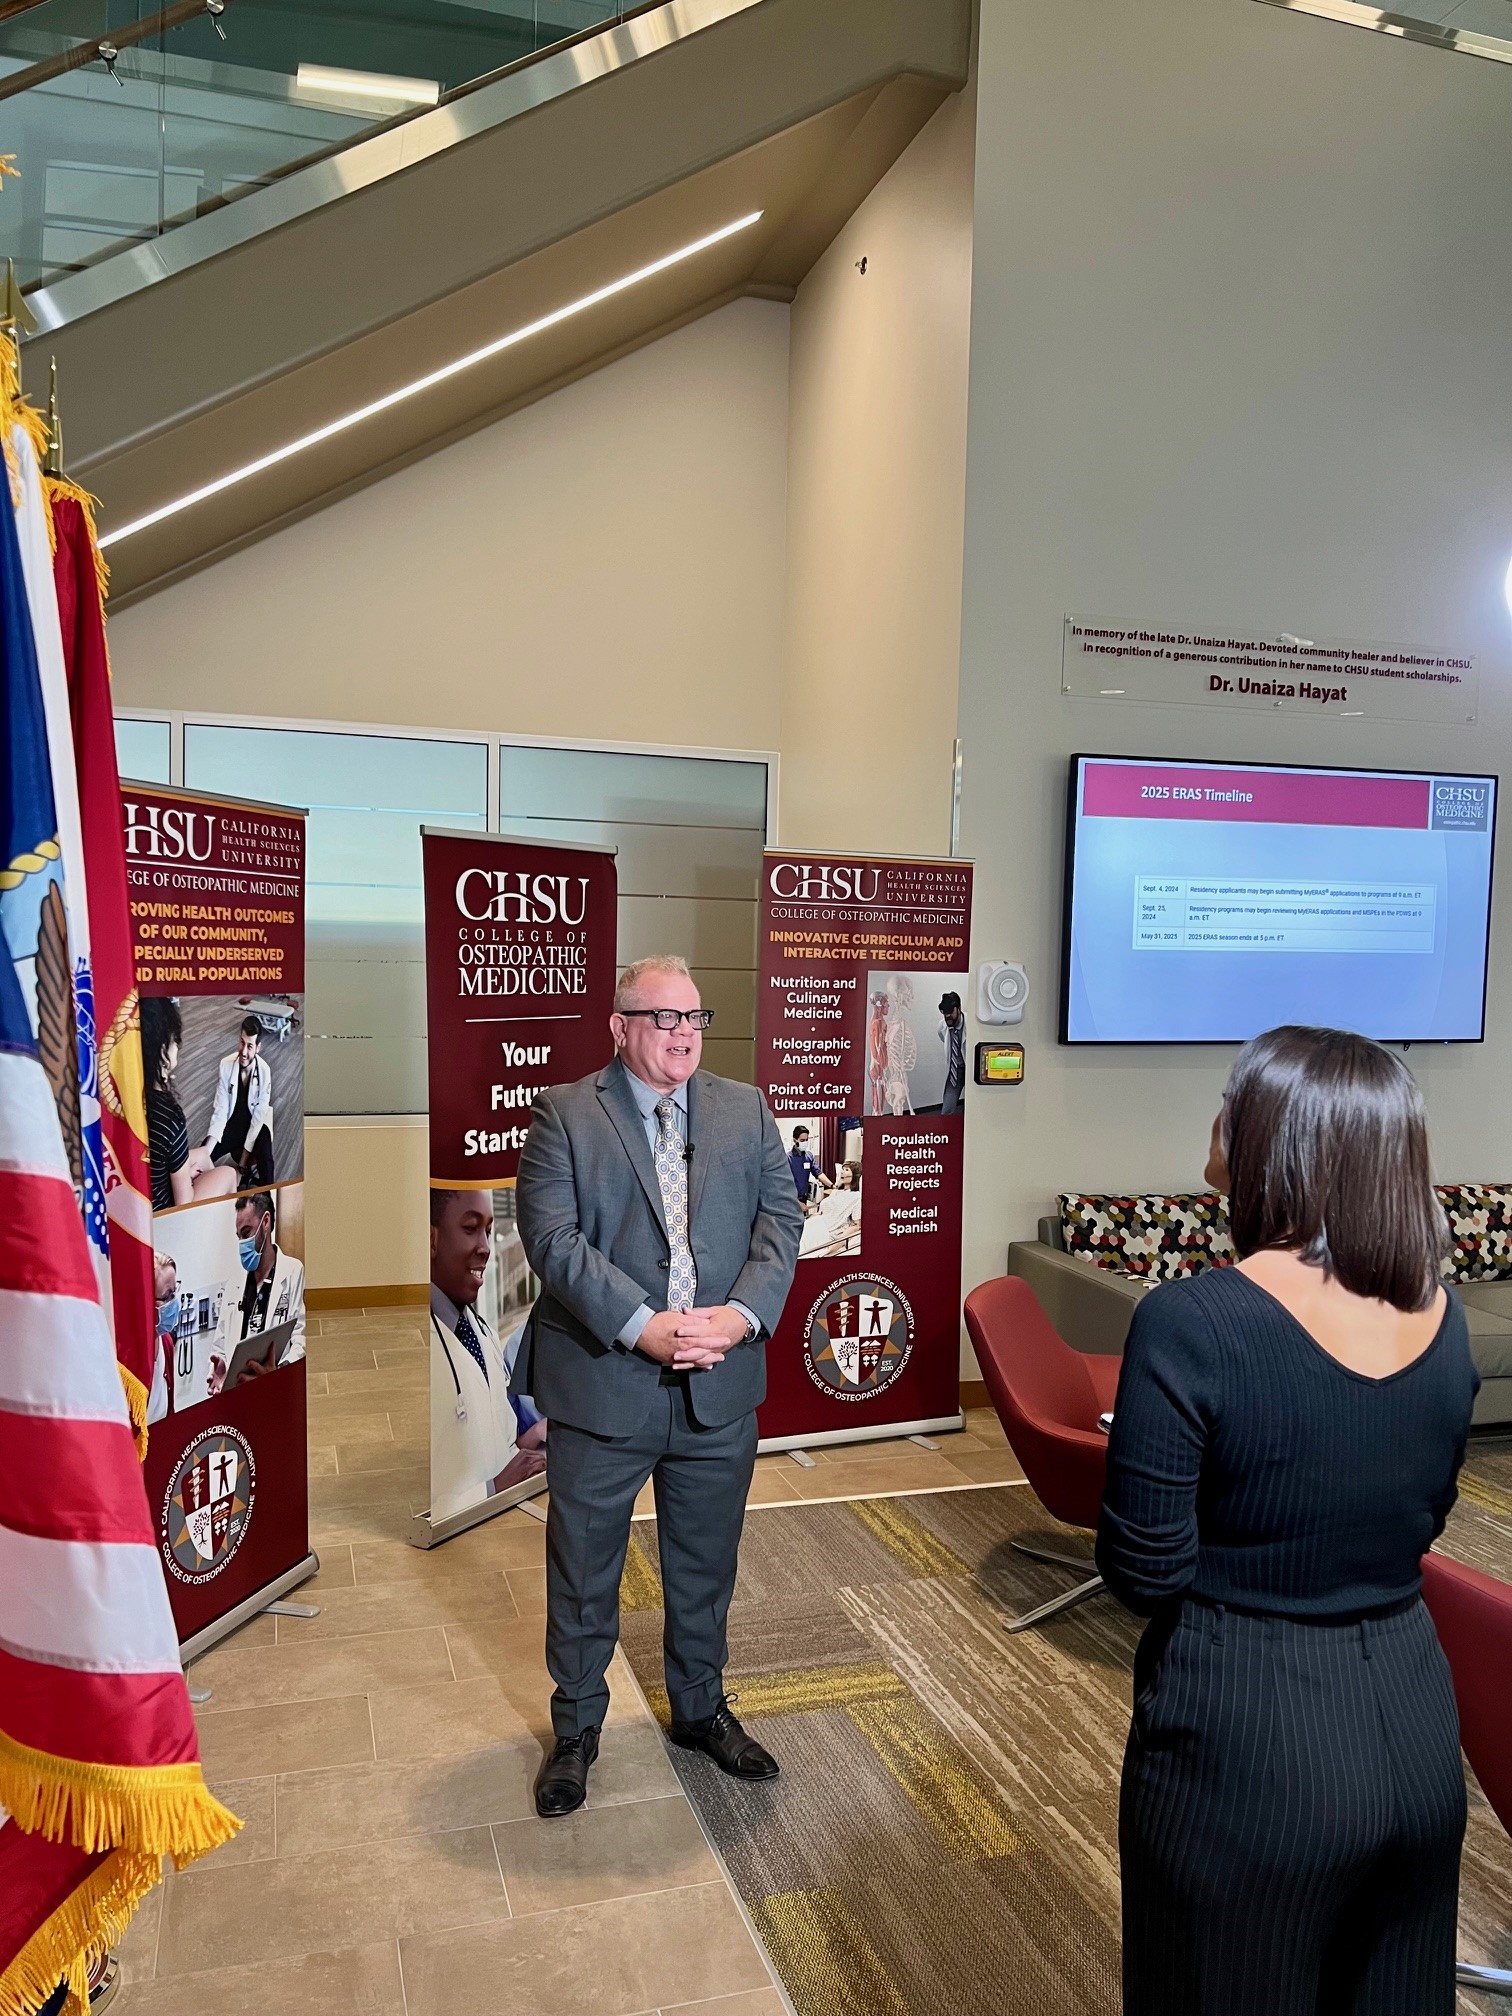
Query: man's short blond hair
x=628, y=984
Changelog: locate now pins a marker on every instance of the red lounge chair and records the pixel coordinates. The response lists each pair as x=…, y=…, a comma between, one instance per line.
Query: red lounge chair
x=1048, y=1398
x=1472, y=1614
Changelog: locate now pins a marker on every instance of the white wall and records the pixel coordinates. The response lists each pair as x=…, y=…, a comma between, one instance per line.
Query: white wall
x=1242, y=282
x=876, y=460
x=608, y=563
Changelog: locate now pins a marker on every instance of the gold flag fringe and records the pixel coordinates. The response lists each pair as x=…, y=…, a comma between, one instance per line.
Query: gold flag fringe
x=10, y=400
x=136, y=1406
x=60, y=486
x=156, y=1810
x=17, y=410
x=80, y=1932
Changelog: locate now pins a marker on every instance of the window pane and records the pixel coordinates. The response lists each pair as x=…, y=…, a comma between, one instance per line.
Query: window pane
x=688, y=833
x=142, y=749
x=601, y=784
x=367, y=796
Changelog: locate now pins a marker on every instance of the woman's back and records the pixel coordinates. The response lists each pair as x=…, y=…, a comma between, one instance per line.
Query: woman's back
x=1251, y=1467
x=1285, y=1446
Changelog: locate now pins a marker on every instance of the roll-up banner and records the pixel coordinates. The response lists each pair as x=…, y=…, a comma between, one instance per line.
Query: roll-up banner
x=520, y=942
x=217, y=890
x=861, y=1051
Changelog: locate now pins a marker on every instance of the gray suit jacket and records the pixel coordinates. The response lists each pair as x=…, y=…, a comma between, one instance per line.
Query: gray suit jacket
x=591, y=1219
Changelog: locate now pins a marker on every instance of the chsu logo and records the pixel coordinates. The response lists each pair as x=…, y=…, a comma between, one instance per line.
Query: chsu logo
x=1460, y=806
x=500, y=896
x=168, y=832
x=825, y=882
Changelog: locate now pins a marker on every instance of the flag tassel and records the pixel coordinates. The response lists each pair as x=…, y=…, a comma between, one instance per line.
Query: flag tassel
x=56, y=487
x=136, y=1407
x=166, y=1809
x=81, y=1931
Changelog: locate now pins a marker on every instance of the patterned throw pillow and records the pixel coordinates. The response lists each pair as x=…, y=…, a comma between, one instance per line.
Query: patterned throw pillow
x=1153, y=1237
x=1480, y=1225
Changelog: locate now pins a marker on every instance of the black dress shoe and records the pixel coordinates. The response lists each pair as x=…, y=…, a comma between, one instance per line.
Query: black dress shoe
x=561, y=1784
x=722, y=1738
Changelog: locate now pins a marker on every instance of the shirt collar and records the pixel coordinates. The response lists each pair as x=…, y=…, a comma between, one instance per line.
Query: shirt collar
x=447, y=1312
x=646, y=1096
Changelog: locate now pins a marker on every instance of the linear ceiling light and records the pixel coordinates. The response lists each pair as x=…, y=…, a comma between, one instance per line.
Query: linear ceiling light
x=318, y=80
x=437, y=377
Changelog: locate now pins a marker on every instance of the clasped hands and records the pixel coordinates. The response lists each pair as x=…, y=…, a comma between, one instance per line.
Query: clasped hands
x=692, y=1340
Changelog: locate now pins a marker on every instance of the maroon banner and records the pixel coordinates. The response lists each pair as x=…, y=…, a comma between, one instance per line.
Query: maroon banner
x=217, y=891
x=519, y=956
x=861, y=1049
x=520, y=966
x=229, y=1490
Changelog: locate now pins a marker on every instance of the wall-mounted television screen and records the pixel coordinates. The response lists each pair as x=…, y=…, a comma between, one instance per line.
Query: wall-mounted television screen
x=1208, y=901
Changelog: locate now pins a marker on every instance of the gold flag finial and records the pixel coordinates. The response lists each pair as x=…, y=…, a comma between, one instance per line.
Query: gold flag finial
x=52, y=461
x=13, y=308
x=15, y=317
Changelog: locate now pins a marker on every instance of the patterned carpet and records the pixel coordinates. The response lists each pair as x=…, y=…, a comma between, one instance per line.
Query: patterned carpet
x=944, y=1835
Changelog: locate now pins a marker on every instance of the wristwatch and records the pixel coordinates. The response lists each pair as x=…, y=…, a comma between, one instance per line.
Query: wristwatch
x=753, y=1331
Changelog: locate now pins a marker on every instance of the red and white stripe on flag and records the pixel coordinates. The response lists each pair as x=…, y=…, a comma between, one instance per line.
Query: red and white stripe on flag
x=99, y=1761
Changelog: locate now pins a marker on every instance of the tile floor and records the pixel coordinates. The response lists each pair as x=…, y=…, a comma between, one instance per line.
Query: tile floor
x=381, y=1756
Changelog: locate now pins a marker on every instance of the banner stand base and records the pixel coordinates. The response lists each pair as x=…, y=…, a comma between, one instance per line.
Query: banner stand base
x=424, y=1532
x=250, y=1607
x=884, y=1431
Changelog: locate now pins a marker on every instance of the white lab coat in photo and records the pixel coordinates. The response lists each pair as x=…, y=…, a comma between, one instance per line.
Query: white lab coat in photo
x=259, y=1100
x=285, y=1302
x=473, y=1426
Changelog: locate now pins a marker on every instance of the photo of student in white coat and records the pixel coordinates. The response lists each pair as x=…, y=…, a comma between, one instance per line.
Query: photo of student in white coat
x=483, y=1441
x=268, y=1292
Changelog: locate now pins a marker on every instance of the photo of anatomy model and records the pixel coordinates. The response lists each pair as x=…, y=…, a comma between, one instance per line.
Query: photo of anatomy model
x=892, y=1047
x=915, y=1043
x=484, y=1439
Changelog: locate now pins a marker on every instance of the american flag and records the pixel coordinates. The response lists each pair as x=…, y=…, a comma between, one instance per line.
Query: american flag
x=112, y=1004
x=99, y=1770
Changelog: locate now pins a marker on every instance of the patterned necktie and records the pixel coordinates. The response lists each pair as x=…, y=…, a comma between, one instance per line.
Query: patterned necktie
x=672, y=1175
x=467, y=1337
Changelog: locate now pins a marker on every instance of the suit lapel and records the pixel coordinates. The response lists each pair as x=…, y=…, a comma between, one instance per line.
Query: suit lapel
x=618, y=1101
x=703, y=1126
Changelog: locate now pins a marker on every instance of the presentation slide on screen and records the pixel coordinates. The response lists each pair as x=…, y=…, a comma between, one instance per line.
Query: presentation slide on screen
x=1209, y=903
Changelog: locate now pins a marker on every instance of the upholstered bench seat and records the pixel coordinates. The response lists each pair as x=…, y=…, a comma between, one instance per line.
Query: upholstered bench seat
x=1099, y=1255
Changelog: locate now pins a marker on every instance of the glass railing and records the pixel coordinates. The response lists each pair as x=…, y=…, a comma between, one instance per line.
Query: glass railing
x=127, y=118
x=1469, y=27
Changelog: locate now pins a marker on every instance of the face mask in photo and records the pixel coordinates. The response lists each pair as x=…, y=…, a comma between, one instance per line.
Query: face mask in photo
x=168, y=1316
x=250, y=1251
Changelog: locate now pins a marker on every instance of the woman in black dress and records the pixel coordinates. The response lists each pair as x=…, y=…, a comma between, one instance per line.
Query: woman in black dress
x=1284, y=1451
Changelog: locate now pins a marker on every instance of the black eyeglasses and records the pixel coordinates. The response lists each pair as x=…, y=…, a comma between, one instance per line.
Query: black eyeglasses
x=668, y=1018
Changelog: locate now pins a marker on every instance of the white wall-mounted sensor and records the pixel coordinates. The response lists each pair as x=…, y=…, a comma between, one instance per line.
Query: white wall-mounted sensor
x=1002, y=991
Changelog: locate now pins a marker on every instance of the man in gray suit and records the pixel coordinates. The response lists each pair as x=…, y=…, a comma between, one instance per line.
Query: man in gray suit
x=656, y=1205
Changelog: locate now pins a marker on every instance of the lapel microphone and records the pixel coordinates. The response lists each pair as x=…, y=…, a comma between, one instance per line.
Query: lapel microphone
x=688, y=1152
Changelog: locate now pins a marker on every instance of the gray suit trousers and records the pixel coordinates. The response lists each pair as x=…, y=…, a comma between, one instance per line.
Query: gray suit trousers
x=701, y=1477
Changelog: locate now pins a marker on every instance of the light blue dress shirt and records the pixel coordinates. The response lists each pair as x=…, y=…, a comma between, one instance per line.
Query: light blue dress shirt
x=647, y=1098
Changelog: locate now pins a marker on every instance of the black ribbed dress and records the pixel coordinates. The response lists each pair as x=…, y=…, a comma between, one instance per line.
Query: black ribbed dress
x=1293, y=1802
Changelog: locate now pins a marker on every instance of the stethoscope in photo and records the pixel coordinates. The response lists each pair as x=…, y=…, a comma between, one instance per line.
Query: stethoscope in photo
x=451, y=1364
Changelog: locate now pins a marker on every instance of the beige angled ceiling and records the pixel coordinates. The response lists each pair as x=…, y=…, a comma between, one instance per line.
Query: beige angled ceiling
x=784, y=106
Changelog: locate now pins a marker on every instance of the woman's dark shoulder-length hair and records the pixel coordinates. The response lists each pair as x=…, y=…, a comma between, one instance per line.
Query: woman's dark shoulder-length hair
x=1327, y=1152
x=162, y=1024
